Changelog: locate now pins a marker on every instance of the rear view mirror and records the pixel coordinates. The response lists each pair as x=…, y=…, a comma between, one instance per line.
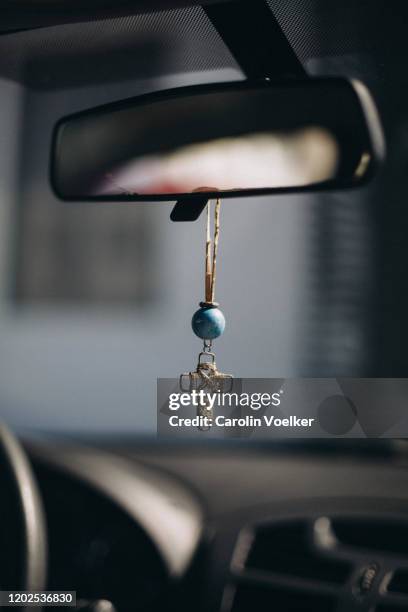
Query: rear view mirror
x=226, y=140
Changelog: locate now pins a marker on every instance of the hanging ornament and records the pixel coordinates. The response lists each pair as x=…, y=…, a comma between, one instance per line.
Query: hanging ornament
x=208, y=323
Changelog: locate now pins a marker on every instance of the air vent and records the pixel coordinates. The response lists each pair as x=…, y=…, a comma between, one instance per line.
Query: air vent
x=287, y=549
x=264, y=599
x=321, y=564
x=399, y=582
x=379, y=535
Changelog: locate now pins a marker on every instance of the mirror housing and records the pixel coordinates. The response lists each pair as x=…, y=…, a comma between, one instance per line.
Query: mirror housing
x=225, y=140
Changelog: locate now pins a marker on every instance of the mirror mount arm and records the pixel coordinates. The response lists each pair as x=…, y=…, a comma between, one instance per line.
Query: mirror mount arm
x=188, y=209
x=256, y=41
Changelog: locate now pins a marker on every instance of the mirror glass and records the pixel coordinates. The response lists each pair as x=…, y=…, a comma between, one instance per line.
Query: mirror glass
x=232, y=139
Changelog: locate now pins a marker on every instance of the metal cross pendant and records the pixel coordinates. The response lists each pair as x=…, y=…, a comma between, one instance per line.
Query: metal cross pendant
x=208, y=379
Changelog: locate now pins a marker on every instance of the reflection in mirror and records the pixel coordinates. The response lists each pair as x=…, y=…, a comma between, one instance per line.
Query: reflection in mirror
x=230, y=139
x=254, y=161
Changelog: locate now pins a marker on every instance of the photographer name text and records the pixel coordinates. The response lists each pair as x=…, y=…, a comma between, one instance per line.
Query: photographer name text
x=246, y=421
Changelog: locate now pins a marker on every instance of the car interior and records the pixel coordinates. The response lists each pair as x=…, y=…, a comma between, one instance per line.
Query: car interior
x=105, y=105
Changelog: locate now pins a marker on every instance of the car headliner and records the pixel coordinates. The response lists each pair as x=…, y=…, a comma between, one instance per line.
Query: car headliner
x=46, y=58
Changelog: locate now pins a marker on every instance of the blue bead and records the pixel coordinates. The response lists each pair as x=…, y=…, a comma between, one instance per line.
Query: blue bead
x=208, y=323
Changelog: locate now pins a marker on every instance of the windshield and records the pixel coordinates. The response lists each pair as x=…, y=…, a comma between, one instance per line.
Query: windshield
x=97, y=299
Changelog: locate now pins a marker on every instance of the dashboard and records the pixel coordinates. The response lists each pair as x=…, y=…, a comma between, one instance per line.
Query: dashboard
x=229, y=527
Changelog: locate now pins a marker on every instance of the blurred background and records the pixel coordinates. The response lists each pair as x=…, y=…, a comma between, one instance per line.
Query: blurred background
x=96, y=299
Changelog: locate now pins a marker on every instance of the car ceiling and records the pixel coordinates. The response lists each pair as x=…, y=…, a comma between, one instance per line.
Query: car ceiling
x=147, y=44
x=24, y=14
